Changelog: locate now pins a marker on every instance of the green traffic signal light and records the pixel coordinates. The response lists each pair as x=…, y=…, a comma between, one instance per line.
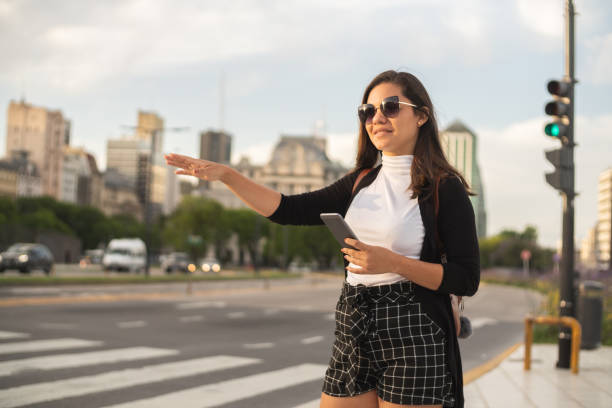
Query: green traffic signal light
x=552, y=129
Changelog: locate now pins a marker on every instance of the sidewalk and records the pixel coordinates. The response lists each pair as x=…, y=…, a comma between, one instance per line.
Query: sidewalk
x=508, y=385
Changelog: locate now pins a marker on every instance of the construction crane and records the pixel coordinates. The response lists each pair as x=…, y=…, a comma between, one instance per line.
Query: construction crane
x=147, y=187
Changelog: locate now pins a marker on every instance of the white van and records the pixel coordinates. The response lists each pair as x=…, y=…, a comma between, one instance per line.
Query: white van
x=125, y=254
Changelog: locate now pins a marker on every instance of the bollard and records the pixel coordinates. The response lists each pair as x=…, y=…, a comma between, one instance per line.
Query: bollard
x=553, y=320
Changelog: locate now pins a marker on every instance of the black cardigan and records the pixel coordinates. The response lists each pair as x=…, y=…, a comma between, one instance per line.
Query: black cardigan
x=457, y=231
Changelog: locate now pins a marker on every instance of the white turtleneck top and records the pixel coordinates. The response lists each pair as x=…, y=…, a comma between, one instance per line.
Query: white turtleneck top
x=383, y=214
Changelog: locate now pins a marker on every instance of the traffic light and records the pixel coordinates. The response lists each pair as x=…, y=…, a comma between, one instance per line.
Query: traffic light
x=561, y=178
x=560, y=109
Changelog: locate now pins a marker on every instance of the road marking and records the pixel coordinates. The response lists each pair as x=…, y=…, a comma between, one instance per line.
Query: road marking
x=479, y=322
x=131, y=325
x=61, y=326
x=482, y=369
x=270, y=312
x=236, y=315
x=330, y=316
x=311, y=340
x=5, y=335
x=73, y=387
x=311, y=404
x=202, y=305
x=189, y=319
x=224, y=392
x=257, y=346
x=60, y=361
x=46, y=345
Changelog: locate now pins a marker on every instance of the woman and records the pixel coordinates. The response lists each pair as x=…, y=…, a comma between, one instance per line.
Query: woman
x=396, y=342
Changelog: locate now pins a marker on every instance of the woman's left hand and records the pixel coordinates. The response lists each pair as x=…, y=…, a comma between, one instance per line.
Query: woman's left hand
x=372, y=259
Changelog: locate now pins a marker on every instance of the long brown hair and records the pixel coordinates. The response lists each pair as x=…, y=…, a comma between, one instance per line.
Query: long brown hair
x=430, y=165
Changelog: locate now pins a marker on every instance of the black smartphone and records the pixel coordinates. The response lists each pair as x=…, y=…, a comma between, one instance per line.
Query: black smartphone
x=339, y=228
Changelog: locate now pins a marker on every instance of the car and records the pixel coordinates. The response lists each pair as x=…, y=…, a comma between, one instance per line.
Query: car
x=26, y=257
x=210, y=264
x=125, y=254
x=176, y=261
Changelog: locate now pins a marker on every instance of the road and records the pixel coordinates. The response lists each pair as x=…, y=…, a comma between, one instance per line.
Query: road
x=242, y=346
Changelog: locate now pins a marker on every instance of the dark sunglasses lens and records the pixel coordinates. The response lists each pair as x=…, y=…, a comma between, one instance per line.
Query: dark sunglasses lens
x=389, y=108
x=365, y=112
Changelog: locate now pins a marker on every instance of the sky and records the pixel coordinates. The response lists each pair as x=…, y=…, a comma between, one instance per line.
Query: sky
x=259, y=69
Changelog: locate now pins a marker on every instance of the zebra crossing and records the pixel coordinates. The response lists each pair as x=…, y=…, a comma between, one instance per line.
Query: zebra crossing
x=73, y=353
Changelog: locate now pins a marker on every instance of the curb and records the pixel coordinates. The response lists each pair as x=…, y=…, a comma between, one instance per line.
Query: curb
x=482, y=369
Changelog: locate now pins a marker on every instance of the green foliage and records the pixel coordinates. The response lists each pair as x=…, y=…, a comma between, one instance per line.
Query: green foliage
x=504, y=249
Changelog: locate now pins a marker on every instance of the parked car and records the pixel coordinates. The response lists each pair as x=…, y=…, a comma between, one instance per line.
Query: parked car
x=125, y=254
x=176, y=261
x=210, y=264
x=26, y=257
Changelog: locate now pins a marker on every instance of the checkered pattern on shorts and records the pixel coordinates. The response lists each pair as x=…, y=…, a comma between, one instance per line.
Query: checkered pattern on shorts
x=385, y=342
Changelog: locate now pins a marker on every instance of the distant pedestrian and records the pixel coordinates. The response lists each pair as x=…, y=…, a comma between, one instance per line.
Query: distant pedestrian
x=396, y=341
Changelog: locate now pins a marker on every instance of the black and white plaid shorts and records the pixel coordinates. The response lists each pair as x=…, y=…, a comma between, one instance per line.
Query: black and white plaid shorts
x=385, y=342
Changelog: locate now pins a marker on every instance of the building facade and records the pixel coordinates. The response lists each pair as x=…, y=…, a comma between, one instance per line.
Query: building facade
x=19, y=177
x=297, y=164
x=150, y=129
x=123, y=155
x=461, y=149
x=42, y=133
x=604, y=220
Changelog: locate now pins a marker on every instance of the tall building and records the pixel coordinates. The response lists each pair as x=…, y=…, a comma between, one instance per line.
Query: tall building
x=604, y=220
x=42, y=133
x=123, y=155
x=150, y=128
x=216, y=146
x=460, y=147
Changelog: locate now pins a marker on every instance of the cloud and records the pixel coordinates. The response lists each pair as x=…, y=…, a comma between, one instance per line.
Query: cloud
x=513, y=165
x=544, y=17
x=599, y=60
x=73, y=48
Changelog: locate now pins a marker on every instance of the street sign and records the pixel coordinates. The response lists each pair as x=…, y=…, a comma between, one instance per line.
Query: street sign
x=525, y=254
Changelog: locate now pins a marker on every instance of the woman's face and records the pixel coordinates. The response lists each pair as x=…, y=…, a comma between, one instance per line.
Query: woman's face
x=393, y=136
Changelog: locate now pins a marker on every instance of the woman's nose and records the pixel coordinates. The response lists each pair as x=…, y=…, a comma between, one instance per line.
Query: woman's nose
x=379, y=117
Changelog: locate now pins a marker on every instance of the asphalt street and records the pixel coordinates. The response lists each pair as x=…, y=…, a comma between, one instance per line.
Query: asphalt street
x=233, y=346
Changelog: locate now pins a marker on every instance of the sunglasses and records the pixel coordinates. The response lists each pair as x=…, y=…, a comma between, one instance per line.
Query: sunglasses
x=389, y=107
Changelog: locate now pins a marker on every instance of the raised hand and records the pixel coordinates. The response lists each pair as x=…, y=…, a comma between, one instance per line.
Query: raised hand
x=203, y=169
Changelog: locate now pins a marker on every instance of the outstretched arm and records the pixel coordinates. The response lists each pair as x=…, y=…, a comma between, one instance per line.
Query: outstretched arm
x=260, y=198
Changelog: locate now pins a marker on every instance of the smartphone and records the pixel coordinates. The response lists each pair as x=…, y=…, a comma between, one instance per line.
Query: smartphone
x=339, y=228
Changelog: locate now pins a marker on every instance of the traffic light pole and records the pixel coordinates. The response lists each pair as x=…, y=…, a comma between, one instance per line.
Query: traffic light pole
x=567, y=304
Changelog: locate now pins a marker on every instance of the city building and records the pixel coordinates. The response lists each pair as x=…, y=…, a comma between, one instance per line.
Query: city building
x=19, y=177
x=461, y=149
x=604, y=220
x=215, y=146
x=123, y=155
x=42, y=133
x=150, y=128
x=118, y=196
x=76, y=176
x=588, y=250
x=297, y=164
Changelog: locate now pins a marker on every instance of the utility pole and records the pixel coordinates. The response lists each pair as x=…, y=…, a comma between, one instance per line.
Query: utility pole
x=562, y=129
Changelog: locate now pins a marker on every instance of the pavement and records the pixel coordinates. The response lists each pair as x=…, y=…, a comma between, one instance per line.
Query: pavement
x=509, y=385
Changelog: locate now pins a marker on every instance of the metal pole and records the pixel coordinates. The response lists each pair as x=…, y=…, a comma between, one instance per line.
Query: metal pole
x=567, y=304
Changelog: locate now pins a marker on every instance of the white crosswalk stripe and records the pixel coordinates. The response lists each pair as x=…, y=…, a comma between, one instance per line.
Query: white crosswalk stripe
x=46, y=345
x=79, y=386
x=60, y=361
x=202, y=305
x=212, y=395
x=5, y=335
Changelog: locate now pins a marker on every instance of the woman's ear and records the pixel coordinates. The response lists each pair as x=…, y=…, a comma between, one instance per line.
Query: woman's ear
x=423, y=115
